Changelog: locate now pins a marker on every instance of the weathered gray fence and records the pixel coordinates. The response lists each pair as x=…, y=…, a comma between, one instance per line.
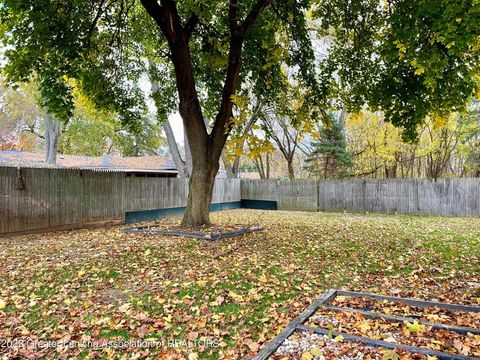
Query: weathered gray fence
x=457, y=197
x=298, y=195
x=65, y=198
x=62, y=198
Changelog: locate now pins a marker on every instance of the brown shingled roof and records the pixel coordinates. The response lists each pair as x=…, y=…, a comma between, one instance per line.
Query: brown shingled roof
x=31, y=159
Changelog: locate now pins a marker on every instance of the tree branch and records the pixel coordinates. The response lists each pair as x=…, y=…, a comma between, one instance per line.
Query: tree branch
x=99, y=13
x=28, y=129
x=232, y=15
x=190, y=25
x=222, y=125
x=166, y=17
x=253, y=15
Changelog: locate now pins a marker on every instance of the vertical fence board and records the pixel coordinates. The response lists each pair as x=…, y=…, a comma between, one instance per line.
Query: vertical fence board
x=6, y=176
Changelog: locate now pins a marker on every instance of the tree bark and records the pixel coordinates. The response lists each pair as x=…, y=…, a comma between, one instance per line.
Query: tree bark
x=180, y=164
x=228, y=168
x=200, y=195
x=188, y=153
x=52, y=130
x=291, y=171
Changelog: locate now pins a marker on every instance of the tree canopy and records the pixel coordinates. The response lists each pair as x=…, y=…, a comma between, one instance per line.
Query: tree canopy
x=409, y=59
x=104, y=44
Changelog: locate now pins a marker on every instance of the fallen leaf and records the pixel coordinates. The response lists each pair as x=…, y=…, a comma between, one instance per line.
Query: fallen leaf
x=390, y=355
x=124, y=307
x=364, y=327
x=253, y=346
x=307, y=356
x=390, y=339
x=413, y=328
x=316, y=352
x=339, y=338
x=192, y=335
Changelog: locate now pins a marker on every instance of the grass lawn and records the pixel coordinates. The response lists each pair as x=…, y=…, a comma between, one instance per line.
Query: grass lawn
x=102, y=284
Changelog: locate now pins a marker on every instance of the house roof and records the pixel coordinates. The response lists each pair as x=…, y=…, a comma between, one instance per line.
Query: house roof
x=106, y=162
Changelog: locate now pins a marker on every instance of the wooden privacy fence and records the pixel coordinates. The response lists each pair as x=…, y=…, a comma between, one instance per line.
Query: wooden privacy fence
x=66, y=198
x=456, y=197
x=298, y=195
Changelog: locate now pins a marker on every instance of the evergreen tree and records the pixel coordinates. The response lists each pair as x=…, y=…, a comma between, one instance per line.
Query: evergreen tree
x=329, y=157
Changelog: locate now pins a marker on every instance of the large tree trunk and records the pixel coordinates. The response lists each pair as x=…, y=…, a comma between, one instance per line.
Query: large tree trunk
x=291, y=171
x=52, y=130
x=206, y=149
x=200, y=195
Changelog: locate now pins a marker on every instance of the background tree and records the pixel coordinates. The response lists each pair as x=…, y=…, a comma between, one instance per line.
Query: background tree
x=52, y=132
x=260, y=151
x=402, y=57
x=446, y=147
x=329, y=157
x=468, y=157
x=20, y=118
x=287, y=121
x=23, y=114
x=376, y=146
x=245, y=117
x=24, y=125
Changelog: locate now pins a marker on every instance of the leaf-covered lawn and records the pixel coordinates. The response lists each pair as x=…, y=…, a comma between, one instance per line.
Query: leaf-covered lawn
x=224, y=299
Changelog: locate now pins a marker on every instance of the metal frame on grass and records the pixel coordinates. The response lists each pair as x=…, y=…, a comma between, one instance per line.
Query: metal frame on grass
x=298, y=324
x=195, y=235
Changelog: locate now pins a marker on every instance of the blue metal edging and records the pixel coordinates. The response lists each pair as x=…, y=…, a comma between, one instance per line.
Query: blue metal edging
x=225, y=206
x=145, y=215
x=259, y=204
